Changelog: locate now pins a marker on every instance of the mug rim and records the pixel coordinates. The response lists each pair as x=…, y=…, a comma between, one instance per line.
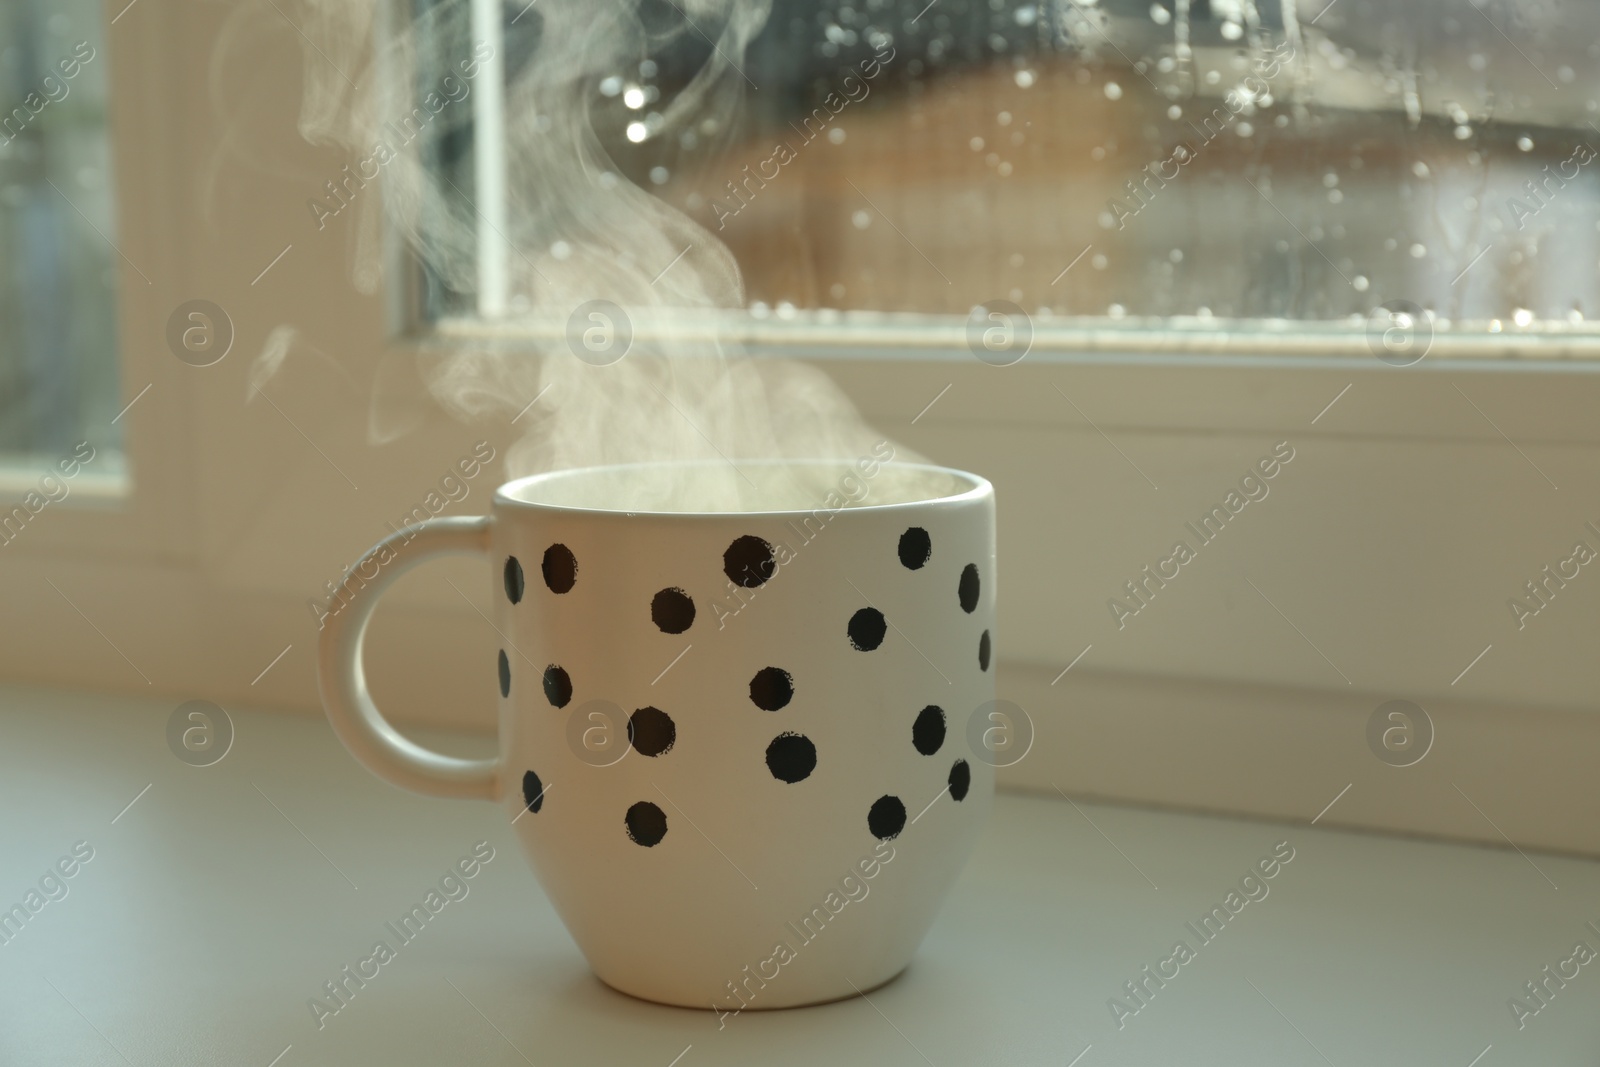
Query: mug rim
x=977, y=487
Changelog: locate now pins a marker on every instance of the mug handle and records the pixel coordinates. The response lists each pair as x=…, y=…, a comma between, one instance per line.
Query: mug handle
x=356, y=720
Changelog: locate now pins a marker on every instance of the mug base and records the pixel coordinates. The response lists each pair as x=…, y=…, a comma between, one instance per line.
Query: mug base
x=772, y=1005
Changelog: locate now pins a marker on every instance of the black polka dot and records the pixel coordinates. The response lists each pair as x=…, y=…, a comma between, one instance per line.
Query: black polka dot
x=960, y=780
x=915, y=548
x=927, y=733
x=867, y=628
x=533, y=792
x=749, y=561
x=560, y=568
x=514, y=581
x=887, y=818
x=771, y=689
x=791, y=758
x=557, y=686
x=651, y=731
x=646, y=823
x=505, y=674
x=968, y=589
x=983, y=651
x=672, y=611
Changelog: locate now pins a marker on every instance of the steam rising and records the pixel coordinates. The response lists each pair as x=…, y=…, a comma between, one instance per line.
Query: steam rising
x=396, y=95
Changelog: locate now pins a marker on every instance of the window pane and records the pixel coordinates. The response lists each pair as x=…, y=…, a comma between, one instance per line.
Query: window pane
x=58, y=358
x=1175, y=163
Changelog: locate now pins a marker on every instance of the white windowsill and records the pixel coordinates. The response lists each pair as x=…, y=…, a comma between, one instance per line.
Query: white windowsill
x=205, y=921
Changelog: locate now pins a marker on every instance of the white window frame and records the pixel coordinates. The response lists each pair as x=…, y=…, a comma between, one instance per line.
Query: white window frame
x=201, y=576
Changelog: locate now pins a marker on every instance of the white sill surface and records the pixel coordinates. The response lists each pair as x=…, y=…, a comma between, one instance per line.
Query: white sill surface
x=206, y=921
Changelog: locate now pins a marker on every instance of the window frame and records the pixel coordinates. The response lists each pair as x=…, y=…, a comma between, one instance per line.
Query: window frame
x=170, y=581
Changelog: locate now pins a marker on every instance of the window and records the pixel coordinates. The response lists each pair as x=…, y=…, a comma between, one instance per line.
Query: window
x=59, y=382
x=1425, y=496
x=1179, y=167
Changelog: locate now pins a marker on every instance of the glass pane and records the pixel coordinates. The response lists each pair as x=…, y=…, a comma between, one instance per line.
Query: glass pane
x=58, y=357
x=1175, y=164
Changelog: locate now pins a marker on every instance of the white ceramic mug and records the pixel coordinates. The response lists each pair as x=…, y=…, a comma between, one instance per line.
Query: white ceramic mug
x=734, y=744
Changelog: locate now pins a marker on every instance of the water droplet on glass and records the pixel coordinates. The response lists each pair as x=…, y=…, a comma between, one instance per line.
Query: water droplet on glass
x=1522, y=317
x=633, y=97
x=1420, y=169
x=1004, y=170
x=976, y=144
x=1176, y=255
x=1463, y=132
x=1024, y=78
x=637, y=131
x=659, y=175
x=1004, y=118
x=1160, y=15
x=1174, y=112
x=1525, y=143
x=1116, y=311
x=1359, y=283
x=1418, y=250
x=610, y=86
x=561, y=250
x=861, y=220
x=1232, y=31
x=1244, y=129
x=836, y=135
x=1098, y=261
x=1113, y=91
